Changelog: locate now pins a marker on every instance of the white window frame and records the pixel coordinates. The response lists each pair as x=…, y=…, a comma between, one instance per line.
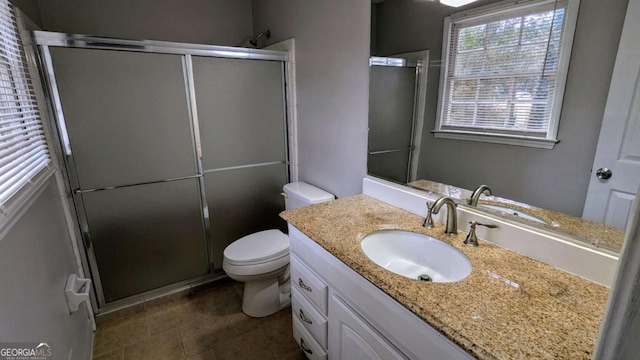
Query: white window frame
x=18, y=204
x=488, y=12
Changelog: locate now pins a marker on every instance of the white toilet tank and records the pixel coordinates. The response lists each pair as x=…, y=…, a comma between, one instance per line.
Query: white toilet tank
x=299, y=194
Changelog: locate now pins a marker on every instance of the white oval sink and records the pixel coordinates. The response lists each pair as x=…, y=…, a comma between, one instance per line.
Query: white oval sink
x=517, y=213
x=414, y=256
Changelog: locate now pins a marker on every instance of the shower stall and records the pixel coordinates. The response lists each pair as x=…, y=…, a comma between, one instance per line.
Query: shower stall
x=172, y=151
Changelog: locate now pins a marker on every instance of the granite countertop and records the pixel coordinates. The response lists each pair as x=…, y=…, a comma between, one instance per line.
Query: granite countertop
x=586, y=231
x=509, y=307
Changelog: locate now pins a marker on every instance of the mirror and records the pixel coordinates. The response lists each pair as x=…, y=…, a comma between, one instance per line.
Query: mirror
x=543, y=188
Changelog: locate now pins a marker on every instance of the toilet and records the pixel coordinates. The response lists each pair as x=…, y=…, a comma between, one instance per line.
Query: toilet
x=261, y=260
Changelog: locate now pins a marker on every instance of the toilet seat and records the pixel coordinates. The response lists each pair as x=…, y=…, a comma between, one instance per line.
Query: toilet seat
x=259, y=248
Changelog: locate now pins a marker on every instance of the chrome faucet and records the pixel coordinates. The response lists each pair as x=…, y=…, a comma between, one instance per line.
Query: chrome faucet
x=475, y=196
x=452, y=219
x=472, y=239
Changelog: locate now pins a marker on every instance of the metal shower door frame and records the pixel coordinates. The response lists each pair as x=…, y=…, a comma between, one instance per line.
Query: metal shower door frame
x=44, y=40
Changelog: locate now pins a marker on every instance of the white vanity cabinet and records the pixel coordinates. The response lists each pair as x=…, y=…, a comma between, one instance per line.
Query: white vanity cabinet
x=338, y=314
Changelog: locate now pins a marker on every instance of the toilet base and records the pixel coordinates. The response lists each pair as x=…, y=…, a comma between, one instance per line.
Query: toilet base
x=265, y=297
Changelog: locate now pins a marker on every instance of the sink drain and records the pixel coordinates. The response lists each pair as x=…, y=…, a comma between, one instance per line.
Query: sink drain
x=425, y=277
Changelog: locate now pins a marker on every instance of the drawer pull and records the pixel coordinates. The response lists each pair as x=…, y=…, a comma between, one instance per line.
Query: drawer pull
x=303, y=285
x=304, y=318
x=308, y=351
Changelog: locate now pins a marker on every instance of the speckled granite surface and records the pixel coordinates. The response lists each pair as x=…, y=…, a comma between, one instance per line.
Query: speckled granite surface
x=510, y=307
x=586, y=231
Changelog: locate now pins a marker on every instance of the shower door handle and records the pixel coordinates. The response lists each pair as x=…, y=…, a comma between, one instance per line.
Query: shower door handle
x=86, y=239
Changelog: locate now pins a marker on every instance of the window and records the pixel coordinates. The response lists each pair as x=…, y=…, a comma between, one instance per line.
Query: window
x=23, y=148
x=504, y=71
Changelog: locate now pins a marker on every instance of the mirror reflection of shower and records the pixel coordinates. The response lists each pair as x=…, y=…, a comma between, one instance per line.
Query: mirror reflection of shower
x=254, y=41
x=397, y=93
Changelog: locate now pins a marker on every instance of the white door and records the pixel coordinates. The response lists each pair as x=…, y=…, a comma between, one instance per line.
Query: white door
x=351, y=338
x=609, y=199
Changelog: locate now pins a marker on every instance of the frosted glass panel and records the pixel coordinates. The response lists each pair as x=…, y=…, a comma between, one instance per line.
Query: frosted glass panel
x=391, y=98
x=147, y=236
x=126, y=114
x=391, y=166
x=243, y=201
x=240, y=111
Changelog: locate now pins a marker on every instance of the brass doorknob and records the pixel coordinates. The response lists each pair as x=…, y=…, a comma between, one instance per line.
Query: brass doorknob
x=603, y=173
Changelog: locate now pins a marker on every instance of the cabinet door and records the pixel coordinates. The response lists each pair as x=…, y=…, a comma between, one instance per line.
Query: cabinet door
x=352, y=338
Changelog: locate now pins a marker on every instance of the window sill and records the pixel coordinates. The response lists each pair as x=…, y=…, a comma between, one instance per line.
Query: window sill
x=540, y=143
x=13, y=210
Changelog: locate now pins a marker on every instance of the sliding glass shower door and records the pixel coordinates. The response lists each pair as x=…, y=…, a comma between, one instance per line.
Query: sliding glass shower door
x=242, y=127
x=129, y=129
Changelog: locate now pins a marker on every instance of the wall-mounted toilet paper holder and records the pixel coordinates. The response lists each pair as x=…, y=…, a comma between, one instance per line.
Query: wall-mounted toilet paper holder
x=76, y=291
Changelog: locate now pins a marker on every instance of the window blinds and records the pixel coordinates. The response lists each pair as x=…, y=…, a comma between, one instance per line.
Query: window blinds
x=502, y=70
x=23, y=148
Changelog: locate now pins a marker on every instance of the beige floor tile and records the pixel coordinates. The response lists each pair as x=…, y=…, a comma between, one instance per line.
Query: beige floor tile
x=241, y=322
x=206, y=331
x=282, y=317
x=113, y=355
x=207, y=355
x=209, y=325
x=115, y=334
x=294, y=355
x=239, y=287
x=280, y=335
x=250, y=346
x=218, y=299
x=164, y=346
x=171, y=315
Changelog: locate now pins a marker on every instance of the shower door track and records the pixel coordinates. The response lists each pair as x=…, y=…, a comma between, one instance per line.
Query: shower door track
x=56, y=39
x=43, y=40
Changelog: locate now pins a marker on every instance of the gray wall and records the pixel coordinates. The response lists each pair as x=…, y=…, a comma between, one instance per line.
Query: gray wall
x=332, y=78
x=555, y=179
x=30, y=9
x=35, y=258
x=217, y=22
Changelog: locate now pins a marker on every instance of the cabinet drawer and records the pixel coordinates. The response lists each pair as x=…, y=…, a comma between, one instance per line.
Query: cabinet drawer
x=309, y=317
x=307, y=342
x=309, y=284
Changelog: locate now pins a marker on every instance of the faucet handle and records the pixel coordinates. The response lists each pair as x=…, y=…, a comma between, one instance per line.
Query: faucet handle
x=475, y=223
x=428, y=221
x=471, y=238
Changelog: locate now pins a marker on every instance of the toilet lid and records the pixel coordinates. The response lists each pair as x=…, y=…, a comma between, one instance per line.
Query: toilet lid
x=257, y=247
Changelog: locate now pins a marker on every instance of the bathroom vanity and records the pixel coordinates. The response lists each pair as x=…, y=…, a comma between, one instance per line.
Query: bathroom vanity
x=342, y=315
x=347, y=307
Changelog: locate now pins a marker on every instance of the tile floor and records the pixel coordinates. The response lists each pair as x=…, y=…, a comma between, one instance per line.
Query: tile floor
x=208, y=325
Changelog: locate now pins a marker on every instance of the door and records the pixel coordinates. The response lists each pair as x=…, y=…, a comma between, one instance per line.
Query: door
x=616, y=168
x=352, y=338
x=135, y=177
